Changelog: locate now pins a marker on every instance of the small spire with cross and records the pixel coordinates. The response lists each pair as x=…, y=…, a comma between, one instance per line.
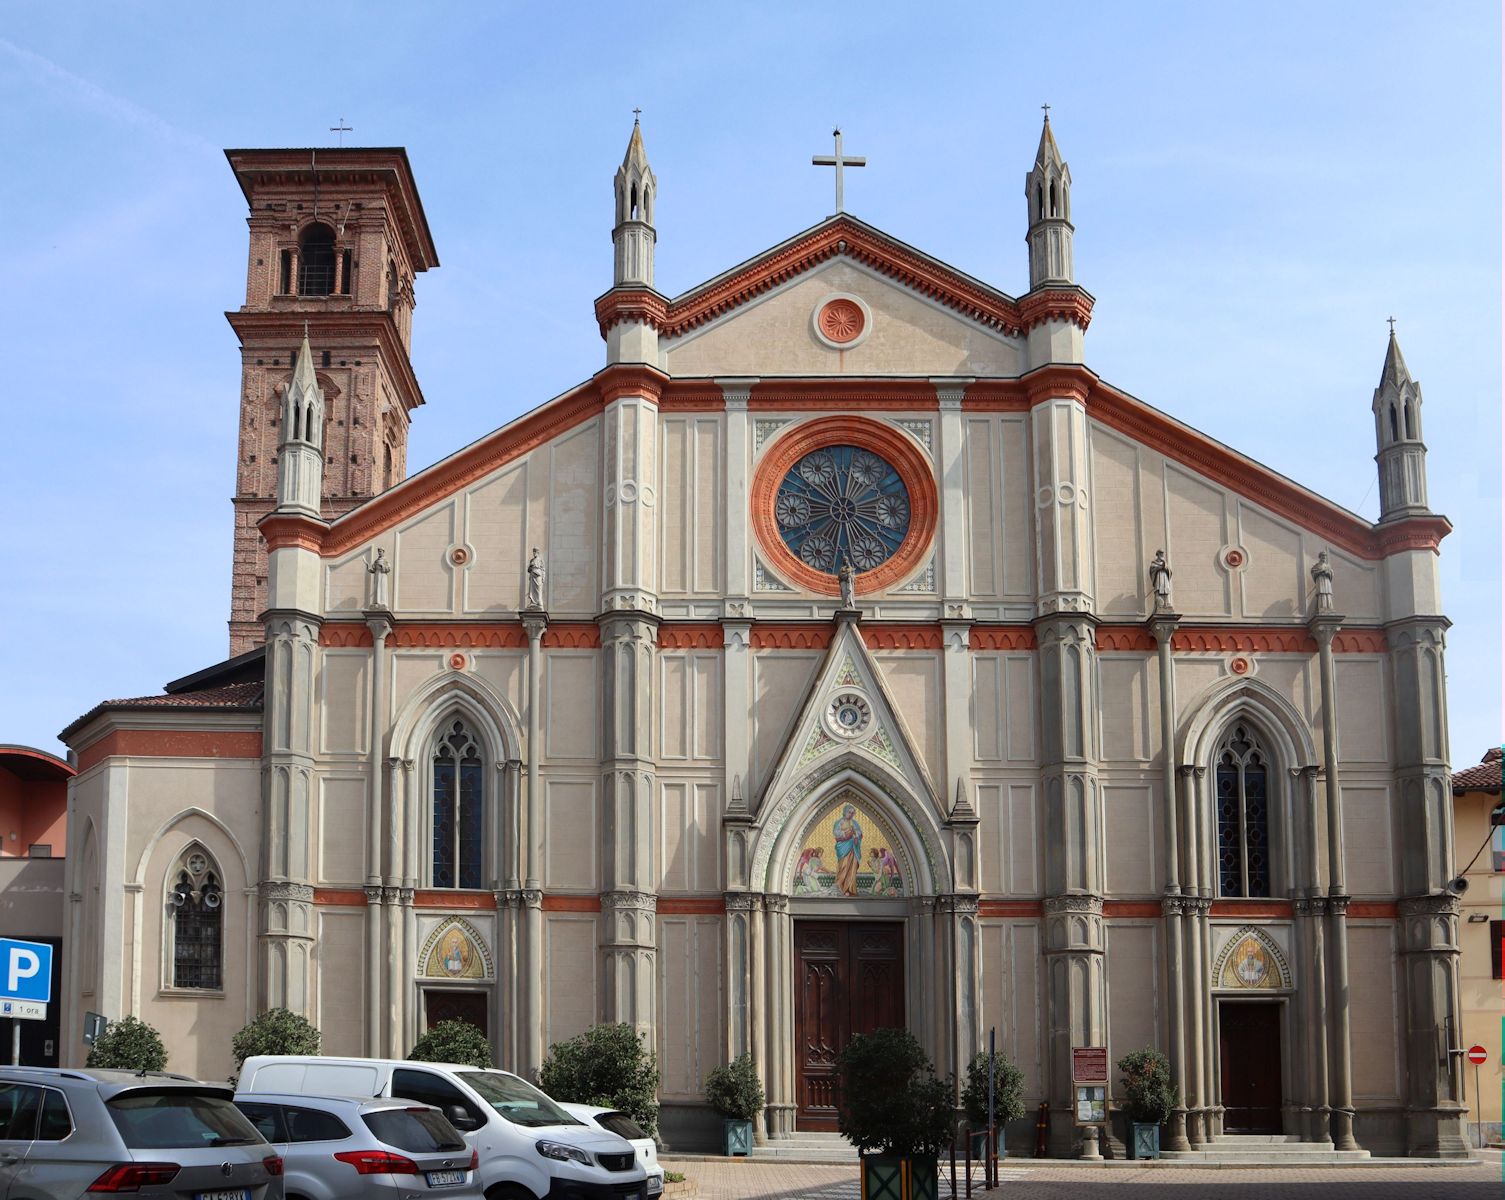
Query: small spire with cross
x=839, y=162
x=1046, y=109
x=637, y=114
x=1392, y=325
x=342, y=129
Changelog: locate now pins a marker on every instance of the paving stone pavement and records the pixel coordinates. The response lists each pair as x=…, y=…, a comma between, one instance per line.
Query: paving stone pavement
x=1027, y=1180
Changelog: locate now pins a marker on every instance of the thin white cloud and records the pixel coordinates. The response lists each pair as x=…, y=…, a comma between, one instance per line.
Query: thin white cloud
x=96, y=98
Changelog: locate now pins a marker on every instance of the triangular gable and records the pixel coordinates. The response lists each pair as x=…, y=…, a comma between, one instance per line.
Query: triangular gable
x=839, y=235
x=848, y=710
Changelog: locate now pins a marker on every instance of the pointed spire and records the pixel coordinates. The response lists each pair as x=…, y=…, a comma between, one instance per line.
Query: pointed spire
x=637, y=195
x=637, y=154
x=305, y=382
x=1402, y=455
x=1048, y=152
x=1047, y=195
x=1395, y=371
x=300, y=453
x=962, y=809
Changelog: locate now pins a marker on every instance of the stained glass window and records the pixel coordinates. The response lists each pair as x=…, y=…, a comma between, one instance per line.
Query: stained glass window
x=1243, y=811
x=458, y=823
x=195, y=905
x=842, y=503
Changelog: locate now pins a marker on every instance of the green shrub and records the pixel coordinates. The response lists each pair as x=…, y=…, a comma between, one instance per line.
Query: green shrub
x=735, y=1091
x=1147, y=1090
x=453, y=1041
x=128, y=1045
x=277, y=1031
x=609, y=1066
x=1008, y=1092
x=891, y=1101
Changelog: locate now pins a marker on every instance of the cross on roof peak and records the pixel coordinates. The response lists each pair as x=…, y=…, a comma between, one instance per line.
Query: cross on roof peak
x=342, y=129
x=839, y=162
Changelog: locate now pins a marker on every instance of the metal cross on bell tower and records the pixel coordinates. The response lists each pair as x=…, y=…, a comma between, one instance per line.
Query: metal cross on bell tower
x=837, y=161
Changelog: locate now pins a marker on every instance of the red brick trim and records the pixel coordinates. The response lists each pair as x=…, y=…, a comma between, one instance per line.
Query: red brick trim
x=340, y=897
x=1251, y=908
x=1010, y=908
x=766, y=636
x=1383, y=909
x=572, y=636
x=1131, y=908
x=690, y=637
x=444, y=635
x=843, y=395
x=1361, y=641
x=995, y=395
x=282, y=531
x=447, y=898
x=902, y=637
x=1056, y=304
x=344, y=635
x=590, y=904
x=690, y=906
x=172, y=743
x=1250, y=640
x=1002, y=637
x=1125, y=637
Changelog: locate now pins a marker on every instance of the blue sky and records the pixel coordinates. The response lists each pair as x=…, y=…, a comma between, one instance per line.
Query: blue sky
x=1256, y=188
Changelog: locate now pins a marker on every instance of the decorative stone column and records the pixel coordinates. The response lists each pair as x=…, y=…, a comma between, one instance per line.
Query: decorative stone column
x=1074, y=960
x=630, y=947
x=779, y=1072
x=530, y=896
x=1429, y=912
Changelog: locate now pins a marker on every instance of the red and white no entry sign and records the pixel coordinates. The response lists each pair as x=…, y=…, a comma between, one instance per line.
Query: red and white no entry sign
x=1478, y=1055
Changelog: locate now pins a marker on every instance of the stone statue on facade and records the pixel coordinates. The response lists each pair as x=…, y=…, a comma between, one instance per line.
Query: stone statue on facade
x=1160, y=582
x=535, y=580
x=848, y=580
x=376, y=581
x=1322, y=577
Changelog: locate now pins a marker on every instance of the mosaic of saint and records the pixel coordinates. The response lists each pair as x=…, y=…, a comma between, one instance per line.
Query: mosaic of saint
x=454, y=955
x=847, y=853
x=1250, y=965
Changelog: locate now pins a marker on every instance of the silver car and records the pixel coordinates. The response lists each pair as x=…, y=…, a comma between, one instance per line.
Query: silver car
x=66, y=1134
x=349, y=1147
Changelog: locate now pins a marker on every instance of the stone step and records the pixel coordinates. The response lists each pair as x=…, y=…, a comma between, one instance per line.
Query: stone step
x=1277, y=1153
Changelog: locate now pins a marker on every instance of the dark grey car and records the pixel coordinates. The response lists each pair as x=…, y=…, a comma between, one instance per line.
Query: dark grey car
x=354, y=1147
x=66, y=1134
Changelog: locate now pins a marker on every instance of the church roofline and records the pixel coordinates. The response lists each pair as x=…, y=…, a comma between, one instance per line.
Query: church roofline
x=1109, y=405
x=843, y=235
x=275, y=164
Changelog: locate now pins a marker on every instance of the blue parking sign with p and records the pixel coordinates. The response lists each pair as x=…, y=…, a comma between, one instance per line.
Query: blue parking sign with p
x=25, y=971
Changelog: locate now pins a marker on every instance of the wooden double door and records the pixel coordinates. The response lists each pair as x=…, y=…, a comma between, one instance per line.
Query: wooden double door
x=848, y=978
x=1249, y=1055
x=440, y=1004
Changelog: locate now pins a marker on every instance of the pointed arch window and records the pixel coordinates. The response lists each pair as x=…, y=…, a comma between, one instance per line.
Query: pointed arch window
x=316, y=261
x=195, y=902
x=459, y=823
x=1243, y=811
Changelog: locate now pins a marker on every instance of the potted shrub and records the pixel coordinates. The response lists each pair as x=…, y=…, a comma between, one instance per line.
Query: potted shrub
x=896, y=1112
x=736, y=1092
x=1008, y=1099
x=128, y=1044
x=606, y=1065
x=1149, y=1098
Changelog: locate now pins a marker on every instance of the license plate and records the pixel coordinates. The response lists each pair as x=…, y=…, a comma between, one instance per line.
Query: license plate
x=445, y=1178
x=225, y=1194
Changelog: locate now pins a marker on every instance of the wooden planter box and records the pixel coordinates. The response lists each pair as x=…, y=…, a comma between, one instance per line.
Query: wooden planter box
x=892, y=1177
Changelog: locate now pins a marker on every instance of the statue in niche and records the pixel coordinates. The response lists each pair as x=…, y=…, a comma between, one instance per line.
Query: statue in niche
x=848, y=580
x=535, y=580
x=1160, y=581
x=376, y=582
x=1322, y=577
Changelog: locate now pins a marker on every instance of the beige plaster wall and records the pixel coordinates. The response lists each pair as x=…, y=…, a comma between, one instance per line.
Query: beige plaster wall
x=1135, y=987
x=999, y=539
x=1145, y=502
x=1012, y=982
x=691, y=504
x=908, y=335
x=690, y=1004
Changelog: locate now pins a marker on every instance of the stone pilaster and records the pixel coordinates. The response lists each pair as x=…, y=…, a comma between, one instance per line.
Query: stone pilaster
x=630, y=947
x=739, y=981
x=1076, y=998
x=286, y=884
x=778, y=1073
x=1435, y=1111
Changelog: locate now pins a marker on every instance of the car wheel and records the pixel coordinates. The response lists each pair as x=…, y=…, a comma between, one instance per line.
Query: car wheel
x=509, y=1191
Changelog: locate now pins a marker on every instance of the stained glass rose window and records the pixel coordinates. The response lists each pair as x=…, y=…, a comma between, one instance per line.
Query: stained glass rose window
x=842, y=503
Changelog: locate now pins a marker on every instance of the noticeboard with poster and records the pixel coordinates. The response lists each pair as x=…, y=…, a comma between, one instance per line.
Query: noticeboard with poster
x=1091, y=1104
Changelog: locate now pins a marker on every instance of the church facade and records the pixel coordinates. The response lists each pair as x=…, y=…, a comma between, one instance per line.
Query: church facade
x=844, y=653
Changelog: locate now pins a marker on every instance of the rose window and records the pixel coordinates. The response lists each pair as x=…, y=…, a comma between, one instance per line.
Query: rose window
x=842, y=503
x=849, y=715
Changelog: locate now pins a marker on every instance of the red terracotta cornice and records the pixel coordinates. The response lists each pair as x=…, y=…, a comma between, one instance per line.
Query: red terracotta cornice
x=1251, y=908
x=340, y=897
x=1056, y=304
x=290, y=530
x=1125, y=637
x=453, y=898
x=846, y=236
x=634, y=381
x=902, y=637
x=1058, y=383
x=344, y=635
x=1381, y=909
x=1225, y=640
x=685, y=636
x=996, y=395
x=1002, y=637
x=631, y=304
x=582, y=904
x=1131, y=908
x=457, y=635
x=1361, y=641
x=1412, y=533
x=1010, y=908
x=171, y=743
x=572, y=636
x=770, y=636
x=705, y=906
x=842, y=394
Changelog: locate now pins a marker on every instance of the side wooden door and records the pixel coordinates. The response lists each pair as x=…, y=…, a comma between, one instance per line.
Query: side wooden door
x=1249, y=1046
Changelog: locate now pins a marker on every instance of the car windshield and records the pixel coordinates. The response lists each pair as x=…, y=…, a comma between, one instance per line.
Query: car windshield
x=520, y=1102
x=620, y=1124
x=179, y=1119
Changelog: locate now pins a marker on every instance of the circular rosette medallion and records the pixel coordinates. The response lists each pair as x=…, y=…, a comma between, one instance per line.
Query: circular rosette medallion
x=842, y=504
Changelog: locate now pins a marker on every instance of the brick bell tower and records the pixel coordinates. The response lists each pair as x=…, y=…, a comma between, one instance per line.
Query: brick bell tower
x=337, y=237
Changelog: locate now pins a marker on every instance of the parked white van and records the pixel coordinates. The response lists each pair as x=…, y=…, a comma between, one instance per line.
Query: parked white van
x=530, y=1148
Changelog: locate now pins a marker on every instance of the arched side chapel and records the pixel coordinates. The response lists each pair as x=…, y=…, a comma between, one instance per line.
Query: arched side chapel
x=816, y=666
